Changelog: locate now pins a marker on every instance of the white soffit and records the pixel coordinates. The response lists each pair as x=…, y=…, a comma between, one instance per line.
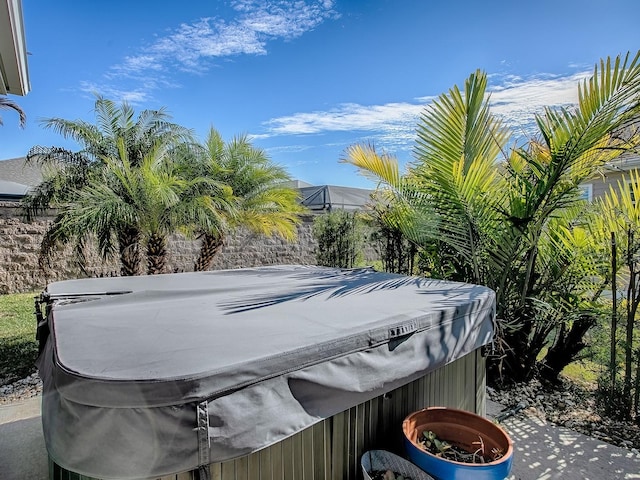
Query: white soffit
x=14, y=74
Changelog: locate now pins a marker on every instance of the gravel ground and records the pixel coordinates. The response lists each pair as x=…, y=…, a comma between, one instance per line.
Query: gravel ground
x=571, y=405
x=20, y=390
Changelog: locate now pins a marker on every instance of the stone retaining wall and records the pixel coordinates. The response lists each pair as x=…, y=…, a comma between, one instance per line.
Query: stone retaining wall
x=20, y=244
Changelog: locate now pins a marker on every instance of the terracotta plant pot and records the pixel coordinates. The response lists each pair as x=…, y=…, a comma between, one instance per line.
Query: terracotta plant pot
x=376, y=460
x=463, y=430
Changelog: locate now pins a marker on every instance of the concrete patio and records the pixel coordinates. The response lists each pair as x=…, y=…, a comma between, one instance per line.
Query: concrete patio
x=543, y=451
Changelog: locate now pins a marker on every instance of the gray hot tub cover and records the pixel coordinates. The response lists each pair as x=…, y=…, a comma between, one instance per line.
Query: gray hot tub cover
x=154, y=375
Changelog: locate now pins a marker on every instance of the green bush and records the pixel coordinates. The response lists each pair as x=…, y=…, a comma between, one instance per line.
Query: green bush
x=340, y=237
x=397, y=254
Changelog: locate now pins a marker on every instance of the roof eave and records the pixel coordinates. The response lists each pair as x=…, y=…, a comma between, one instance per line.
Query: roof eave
x=14, y=72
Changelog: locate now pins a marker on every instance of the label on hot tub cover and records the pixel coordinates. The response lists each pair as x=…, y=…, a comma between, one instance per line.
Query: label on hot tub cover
x=404, y=329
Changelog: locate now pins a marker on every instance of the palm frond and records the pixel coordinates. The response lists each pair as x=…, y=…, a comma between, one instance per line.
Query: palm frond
x=8, y=103
x=376, y=167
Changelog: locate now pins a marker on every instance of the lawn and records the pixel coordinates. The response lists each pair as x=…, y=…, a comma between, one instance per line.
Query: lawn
x=18, y=346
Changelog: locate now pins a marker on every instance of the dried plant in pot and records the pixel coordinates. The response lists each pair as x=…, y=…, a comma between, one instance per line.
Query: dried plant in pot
x=452, y=444
x=383, y=465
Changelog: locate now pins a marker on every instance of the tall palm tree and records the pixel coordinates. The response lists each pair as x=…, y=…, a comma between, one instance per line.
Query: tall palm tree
x=261, y=201
x=7, y=103
x=494, y=217
x=67, y=172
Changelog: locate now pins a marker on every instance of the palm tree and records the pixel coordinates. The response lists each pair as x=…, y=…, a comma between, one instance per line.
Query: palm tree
x=493, y=218
x=543, y=180
x=10, y=104
x=261, y=201
x=68, y=172
x=450, y=192
x=151, y=198
x=573, y=271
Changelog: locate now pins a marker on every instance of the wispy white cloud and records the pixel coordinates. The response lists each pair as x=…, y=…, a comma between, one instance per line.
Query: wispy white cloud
x=136, y=96
x=194, y=47
x=517, y=100
x=287, y=148
x=392, y=125
x=191, y=47
x=348, y=117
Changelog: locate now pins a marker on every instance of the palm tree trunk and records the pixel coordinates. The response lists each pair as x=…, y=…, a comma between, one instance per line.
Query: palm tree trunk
x=129, y=247
x=156, y=254
x=211, y=245
x=569, y=343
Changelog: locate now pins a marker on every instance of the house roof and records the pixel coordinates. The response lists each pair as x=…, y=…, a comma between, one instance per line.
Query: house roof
x=325, y=198
x=17, y=176
x=296, y=184
x=12, y=191
x=14, y=72
x=18, y=171
x=625, y=162
x=629, y=160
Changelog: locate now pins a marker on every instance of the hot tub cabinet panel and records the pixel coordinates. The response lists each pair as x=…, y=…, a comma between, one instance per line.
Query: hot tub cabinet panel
x=284, y=372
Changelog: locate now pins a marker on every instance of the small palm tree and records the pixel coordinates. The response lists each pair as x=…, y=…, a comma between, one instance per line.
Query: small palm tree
x=261, y=202
x=68, y=172
x=10, y=104
x=149, y=198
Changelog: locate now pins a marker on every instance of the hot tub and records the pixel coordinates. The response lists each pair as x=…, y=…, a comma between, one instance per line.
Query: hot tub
x=283, y=372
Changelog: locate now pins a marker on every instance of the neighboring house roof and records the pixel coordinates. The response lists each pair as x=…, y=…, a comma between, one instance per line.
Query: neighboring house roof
x=11, y=191
x=296, y=184
x=625, y=162
x=325, y=198
x=14, y=72
x=17, y=176
x=629, y=160
x=609, y=176
x=17, y=170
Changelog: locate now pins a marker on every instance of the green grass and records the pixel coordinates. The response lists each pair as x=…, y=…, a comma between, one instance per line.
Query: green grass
x=18, y=347
x=583, y=372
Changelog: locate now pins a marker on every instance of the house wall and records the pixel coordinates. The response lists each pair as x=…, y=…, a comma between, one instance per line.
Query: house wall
x=613, y=173
x=600, y=185
x=20, y=244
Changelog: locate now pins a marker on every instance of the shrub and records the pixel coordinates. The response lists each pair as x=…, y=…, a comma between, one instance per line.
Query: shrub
x=340, y=237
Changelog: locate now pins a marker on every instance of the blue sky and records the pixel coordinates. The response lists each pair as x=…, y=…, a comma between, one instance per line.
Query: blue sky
x=306, y=79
